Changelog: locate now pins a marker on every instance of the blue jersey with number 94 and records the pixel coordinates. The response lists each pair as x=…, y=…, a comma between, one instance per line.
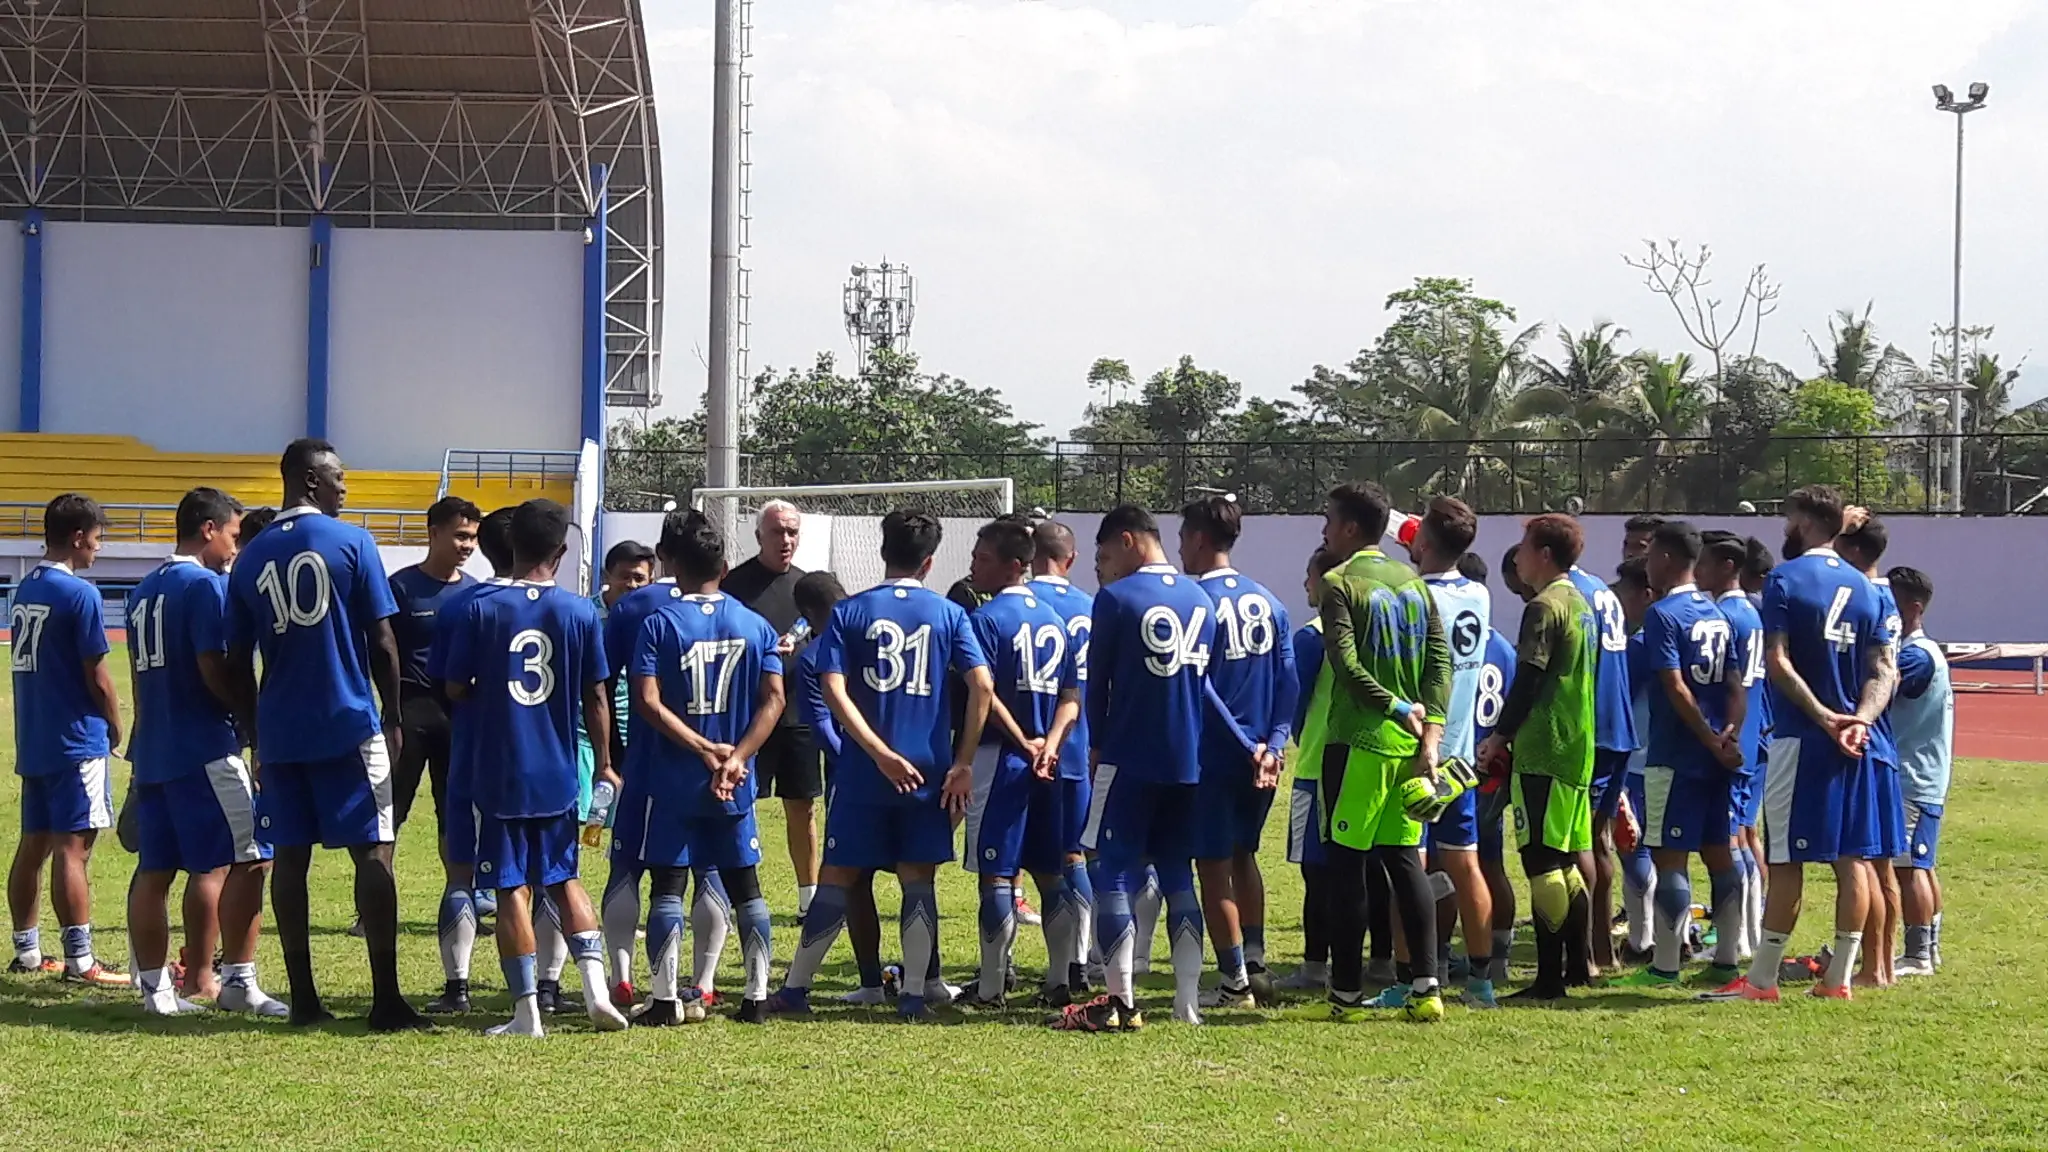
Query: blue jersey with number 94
x=1148, y=686
x=894, y=643
x=708, y=654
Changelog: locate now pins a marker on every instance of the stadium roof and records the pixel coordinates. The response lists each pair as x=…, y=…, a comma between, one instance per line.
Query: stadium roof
x=380, y=113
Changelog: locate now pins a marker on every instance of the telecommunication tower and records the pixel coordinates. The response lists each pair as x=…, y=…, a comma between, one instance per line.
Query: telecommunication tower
x=880, y=303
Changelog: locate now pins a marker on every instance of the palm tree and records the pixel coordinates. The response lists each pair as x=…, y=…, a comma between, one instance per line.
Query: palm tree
x=1661, y=408
x=1594, y=364
x=1854, y=357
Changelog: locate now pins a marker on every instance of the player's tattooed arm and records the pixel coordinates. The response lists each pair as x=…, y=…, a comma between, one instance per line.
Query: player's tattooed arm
x=1880, y=681
x=1778, y=666
x=899, y=770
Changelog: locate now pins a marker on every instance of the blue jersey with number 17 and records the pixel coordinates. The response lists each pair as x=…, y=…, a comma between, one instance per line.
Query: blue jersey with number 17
x=305, y=593
x=1077, y=608
x=894, y=644
x=527, y=653
x=1614, y=722
x=708, y=654
x=1830, y=617
x=1147, y=703
x=1026, y=644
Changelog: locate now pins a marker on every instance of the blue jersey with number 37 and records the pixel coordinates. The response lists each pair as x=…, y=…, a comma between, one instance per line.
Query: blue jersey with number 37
x=306, y=592
x=708, y=654
x=894, y=644
x=1830, y=617
x=1614, y=721
x=1154, y=631
x=1685, y=633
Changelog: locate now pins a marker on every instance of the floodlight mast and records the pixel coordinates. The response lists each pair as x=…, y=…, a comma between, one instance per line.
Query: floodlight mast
x=1945, y=101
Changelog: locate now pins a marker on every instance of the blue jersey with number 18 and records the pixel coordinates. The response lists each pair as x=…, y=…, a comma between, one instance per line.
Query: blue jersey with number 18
x=305, y=593
x=1077, y=608
x=1253, y=674
x=1150, y=667
x=1614, y=721
x=894, y=644
x=708, y=654
x=1830, y=617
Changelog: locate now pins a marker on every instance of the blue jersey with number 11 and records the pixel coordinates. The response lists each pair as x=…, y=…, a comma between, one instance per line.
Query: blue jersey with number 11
x=894, y=644
x=1147, y=703
x=708, y=653
x=1830, y=617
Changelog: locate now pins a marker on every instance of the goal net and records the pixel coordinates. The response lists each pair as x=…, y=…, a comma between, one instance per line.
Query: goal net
x=842, y=523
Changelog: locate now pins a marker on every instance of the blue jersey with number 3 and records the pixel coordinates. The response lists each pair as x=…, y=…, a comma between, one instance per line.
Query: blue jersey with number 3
x=527, y=652
x=1831, y=618
x=708, y=654
x=1685, y=633
x=894, y=644
x=305, y=593
x=1154, y=631
x=1614, y=722
x=1077, y=608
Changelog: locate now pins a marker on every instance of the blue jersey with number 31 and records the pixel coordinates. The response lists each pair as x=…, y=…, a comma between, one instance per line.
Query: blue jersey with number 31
x=894, y=644
x=708, y=654
x=1830, y=617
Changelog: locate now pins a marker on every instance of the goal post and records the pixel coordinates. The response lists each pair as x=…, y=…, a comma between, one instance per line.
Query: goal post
x=842, y=523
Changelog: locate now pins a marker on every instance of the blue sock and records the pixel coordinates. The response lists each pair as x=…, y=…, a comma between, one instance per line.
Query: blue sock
x=586, y=946
x=1637, y=870
x=1728, y=912
x=755, y=950
x=1230, y=964
x=822, y=925
x=1674, y=910
x=1116, y=930
x=78, y=944
x=998, y=930
x=521, y=974
x=665, y=944
x=456, y=903
x=486, y=902
x=1184, y=934
x=1254, y=944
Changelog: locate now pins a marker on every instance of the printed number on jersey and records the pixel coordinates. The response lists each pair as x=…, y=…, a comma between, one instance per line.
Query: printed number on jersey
x=1039, y=675
x=1247, y=625
x=28, y=621
x=1492, y=697
x=1174, y=644
x=1710, y=641
x=1613, y=622
x=146, y=633
x=300, y=592
x=708, y=667
x=1839, y=632
x=1077, y=635
x=537, y=651
x=903, y=660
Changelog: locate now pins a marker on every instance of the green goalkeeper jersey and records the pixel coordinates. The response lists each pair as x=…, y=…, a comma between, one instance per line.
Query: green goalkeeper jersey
x=1305, y=751
x=1385, y=646
x=1557, y=637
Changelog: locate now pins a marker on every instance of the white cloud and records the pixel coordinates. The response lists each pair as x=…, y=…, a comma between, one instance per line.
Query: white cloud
x=1072, y=180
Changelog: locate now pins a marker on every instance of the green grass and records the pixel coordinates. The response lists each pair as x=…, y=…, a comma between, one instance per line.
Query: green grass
x=1955, y=1060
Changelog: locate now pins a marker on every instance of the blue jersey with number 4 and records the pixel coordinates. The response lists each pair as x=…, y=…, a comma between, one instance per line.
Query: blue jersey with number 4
x=177, y=614
x=58, y=626
x=1077, y=608
x=708, y=654
x=894, y=644
x=1831, y=618
x=1685, y=633
x=1026, y=644
x=1614, y=722
x=305, y=593
x=527, y=652
x=1147, y=698
x=1252, y=669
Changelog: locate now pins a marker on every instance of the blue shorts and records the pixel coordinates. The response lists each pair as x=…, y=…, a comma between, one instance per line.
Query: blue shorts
x=1686, y=811
x=629, y=829
x=1457, y=830
x=340, y=803
x=1133, y=822
x=459, y=820
x=1015, y=821
x=81, y=800
x=682, y=835
x=1610, y=776
x=200, y=821
x=906, y=831
x=1923, y=836
x=1890, y=813
x=1075, y=796
x=1305, y=823
x=1230, y=813
x=536, y=851
x=1746, y=794
x=1812, y=797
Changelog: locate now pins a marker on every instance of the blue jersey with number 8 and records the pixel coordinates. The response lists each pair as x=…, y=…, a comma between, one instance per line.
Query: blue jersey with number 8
x=1830, y=617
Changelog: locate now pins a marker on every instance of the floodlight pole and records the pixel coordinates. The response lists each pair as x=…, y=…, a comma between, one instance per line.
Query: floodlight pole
x=722, y=391
x=1944, y=102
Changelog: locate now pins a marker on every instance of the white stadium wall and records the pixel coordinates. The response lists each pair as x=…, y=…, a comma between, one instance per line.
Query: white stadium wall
x=191, y=337
x=10, y=322
x=465, y=339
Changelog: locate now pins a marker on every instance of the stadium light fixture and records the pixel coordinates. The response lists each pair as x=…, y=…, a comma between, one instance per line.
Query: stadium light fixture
x=1945, y=101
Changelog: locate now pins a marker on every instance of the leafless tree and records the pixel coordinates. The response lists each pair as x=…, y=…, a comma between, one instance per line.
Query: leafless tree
x=1680, y=276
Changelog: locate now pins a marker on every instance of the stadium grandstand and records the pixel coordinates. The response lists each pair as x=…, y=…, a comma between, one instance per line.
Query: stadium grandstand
x=428, y=230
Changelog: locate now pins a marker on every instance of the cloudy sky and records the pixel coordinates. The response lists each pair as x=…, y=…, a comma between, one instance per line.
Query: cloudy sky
x=1246, y=180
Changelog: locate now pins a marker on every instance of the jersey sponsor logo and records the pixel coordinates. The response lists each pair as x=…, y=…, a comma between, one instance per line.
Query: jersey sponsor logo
x=1466, y=635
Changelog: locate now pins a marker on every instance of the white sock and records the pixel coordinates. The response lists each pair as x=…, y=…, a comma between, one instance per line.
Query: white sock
x=805, y=893
x=28, y=947
x=1843, y=963
x=1642, y=917
x=621, y=926
x=457, y=942
x=1770, y=956
x=1145, y=905
x=550, y=943
x=710, y=924
x=1059, y=926
x=1187, y=968
x=995, y=945
x=1117, y=964
x=526, y=1017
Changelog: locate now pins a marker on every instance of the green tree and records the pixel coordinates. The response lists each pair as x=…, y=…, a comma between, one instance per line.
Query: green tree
x=1652, y=424
x=1855, y=356
x=1817, y=444
x=1593, y=367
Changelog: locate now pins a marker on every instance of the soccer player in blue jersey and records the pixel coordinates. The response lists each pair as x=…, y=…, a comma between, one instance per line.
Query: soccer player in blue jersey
x=1148, y=698
x=527, y=662
x=707, y=678
x=311, y=595
x=1014, y=817
x=1615, y=736
x=883, y=669
x=1923, y=725
x=1304, y=756
x=462, y=903
x=1828, y=653
x=1862, y=544
x=196, y=805
x=1496, y=678
x=1253, y=674
x=421, y=590
x=1695, y=752
x=1719, y=574
x=1638, y=870
x=66, y=724
x=1052, y=560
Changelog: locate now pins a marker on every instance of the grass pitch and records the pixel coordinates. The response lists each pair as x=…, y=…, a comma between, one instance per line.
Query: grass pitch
x=1958, y=1060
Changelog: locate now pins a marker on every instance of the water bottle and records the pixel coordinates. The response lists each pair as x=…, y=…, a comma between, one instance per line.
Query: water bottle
x=601, y=798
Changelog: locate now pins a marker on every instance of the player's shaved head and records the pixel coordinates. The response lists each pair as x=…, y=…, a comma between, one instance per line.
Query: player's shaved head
x=694, y=545
x=312, y=474
x=1054, y=541
x=494, y=540
x=910, y=539
x=1126, y=518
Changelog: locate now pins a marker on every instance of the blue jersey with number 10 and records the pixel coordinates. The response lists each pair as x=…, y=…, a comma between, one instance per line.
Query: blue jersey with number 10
x=1077, y=608
x=1154, y=630
x=1614, y=722
x=306, y=592
x=527, y=652
x=894, y=644
x=708, y=653
x=1831, y=618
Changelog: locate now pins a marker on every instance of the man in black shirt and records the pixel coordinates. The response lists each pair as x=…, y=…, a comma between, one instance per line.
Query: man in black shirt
x=789, y=764
x=420, y=590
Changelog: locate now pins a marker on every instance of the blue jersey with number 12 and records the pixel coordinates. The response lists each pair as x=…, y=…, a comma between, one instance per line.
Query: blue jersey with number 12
x=1831, y=618
x=894, y=644
x=708, y=654
x=1614, y=722
x=1147, y=696
x=1077, y=608
x=1026, y=644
